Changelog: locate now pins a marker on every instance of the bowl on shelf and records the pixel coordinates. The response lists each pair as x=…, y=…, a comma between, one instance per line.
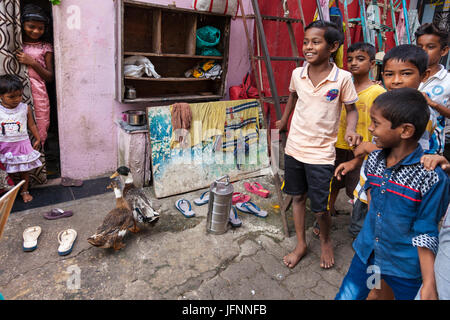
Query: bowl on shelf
x=134, y=117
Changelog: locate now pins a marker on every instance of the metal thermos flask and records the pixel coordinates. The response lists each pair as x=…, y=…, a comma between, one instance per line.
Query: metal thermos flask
x=220, y=195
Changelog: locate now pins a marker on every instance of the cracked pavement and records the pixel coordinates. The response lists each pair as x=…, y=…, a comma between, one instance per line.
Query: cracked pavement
x=175, y=259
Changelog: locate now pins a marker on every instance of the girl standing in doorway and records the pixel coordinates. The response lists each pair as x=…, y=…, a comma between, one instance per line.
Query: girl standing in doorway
x=38, y=56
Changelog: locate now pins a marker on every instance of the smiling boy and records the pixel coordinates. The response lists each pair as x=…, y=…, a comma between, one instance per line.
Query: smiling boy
x=436, y=86
x=317, y=91
x=406, y=202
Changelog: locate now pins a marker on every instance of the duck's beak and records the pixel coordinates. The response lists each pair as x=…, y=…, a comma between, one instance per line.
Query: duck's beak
x=115, y=174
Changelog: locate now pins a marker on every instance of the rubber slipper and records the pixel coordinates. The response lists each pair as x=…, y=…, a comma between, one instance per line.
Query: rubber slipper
x=234, y=219
x=68, y=182
x=57, y=213
x=204, y=199
x=184, y=206
x=30, y=237
x=250, y=207
x=66, y=239
x=239, y=197
x=256, y=188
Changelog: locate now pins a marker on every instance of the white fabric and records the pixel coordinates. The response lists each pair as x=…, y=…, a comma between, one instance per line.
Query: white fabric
x=13, y=123
x=137, y=66
x=373, y=11
x=229, y=7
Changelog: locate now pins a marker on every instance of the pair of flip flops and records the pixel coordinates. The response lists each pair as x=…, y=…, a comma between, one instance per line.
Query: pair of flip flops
x=257, y=189
x=251, y=208
x=66, y=239
x=236, y=198
x=184, y=206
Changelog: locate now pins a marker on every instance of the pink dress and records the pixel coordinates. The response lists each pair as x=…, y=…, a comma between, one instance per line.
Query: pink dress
x=37, y=50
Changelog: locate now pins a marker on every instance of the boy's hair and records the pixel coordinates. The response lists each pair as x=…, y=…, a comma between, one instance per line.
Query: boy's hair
x=430, y=28
x=364, y=47
x=408, y=53
x=332, y=33
x=10, y=83
x=404, y=105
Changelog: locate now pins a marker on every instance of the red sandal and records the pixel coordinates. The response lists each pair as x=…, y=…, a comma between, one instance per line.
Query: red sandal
x=256, y=188
x=240, y=197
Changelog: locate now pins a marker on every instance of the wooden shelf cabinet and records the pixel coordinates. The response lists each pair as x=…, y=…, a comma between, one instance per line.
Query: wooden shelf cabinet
x=166, y=35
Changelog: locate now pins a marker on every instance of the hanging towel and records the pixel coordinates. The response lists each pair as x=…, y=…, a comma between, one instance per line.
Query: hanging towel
x=401, y=30
x=181, y=122
x=242, y=125
x=207, y=121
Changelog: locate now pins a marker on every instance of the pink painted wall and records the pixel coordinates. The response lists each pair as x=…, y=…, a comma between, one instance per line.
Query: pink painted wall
x=85, y=79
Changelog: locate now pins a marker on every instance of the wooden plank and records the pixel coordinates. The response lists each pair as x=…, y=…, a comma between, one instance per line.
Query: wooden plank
x=156, y=30
x=137, y=29
x=120, y=87
x=6, y=204
x=170, y=79
x=191, y=37
x=144, y=5
x=170, y=55
x=169, y=98
x=226, y=48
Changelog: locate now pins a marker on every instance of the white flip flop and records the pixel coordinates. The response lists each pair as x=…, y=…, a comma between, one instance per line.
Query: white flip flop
x=184, y=206
x=66, y=239
x=204, y=199
x=30, y=236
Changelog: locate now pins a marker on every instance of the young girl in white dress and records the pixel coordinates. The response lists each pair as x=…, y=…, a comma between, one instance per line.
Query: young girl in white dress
x=16, y=152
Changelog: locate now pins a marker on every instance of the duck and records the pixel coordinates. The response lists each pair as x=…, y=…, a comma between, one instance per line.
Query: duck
x=116, y=223
x=140, y=203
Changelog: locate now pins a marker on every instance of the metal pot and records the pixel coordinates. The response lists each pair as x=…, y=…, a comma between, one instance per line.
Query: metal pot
x=135, y=117
x=220, y=198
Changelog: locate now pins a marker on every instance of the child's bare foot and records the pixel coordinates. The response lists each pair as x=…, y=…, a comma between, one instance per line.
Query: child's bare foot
x=26, y=196
x=327, y=254
x=291, y=259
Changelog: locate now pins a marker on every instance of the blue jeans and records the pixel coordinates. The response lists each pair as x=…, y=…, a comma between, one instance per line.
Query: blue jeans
x=355, y=285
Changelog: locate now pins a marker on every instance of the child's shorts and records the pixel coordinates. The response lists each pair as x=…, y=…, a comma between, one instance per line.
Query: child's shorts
x=351, y=179
x=359, y=214
x=314, y=179
x=359, y=280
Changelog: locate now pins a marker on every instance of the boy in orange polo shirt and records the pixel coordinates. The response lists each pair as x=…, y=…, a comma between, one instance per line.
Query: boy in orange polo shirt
x=318, y=89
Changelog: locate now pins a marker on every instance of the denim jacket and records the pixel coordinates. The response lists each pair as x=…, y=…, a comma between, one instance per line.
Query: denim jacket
x=407, y=203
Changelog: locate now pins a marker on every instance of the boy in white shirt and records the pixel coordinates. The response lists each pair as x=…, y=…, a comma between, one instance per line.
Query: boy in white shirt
x=436, y=86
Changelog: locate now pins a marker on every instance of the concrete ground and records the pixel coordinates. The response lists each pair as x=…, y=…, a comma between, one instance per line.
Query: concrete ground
x=175, y=259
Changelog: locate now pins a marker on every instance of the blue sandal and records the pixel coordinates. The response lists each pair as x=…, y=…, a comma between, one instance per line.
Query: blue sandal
x=250, y=207
x=184, y=206
x=204, y=199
